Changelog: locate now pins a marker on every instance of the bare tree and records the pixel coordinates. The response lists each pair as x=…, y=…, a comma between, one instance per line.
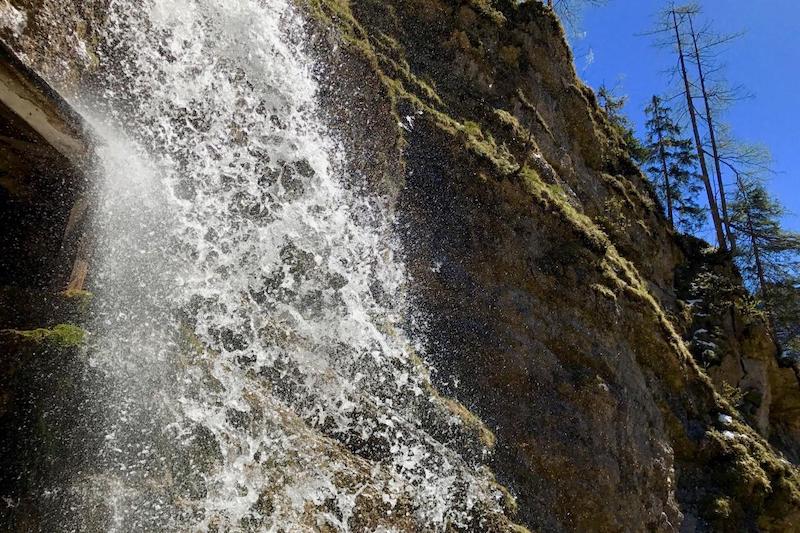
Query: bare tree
x=704, y=45
x=676, y=18
x=698, y=68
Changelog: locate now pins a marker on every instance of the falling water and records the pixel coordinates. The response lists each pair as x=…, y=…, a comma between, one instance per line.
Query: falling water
x=249, y=324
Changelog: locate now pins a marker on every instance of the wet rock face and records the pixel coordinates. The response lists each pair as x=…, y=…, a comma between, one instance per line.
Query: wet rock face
x=58, y=39
x=42, y=149
x=549, y=367
x=237, y=450
x=545, y=276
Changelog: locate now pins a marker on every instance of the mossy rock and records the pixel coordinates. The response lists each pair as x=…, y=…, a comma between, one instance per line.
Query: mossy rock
x=58, y=336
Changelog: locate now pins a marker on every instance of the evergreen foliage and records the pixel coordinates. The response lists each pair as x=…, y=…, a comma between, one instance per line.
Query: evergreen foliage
x=613, y=106
x=767, y=254
x=769, y=258
x=784, y=301
x=670, y=163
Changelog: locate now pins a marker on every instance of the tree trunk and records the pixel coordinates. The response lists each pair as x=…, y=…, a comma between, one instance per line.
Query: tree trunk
x=762, y=280
x=712, y=201
x=712, y=136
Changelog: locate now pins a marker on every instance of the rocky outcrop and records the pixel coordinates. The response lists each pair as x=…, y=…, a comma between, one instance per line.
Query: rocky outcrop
x=57, y=39
x=730, y=339
x=44, y=148
x=546, y=274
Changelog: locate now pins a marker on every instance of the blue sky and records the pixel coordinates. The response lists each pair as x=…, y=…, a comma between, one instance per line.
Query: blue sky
x=766, y=60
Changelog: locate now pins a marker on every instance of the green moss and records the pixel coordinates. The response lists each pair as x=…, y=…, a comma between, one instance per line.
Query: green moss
x=61, y=336
x=467, y=418
x=77, y=294
x=507, y=500
x=386, y=56
x=402, y=70
x=387, y=42
x=510, y=121
x=473, y=137
x=748, y=471
x=719, y=510
x=733, y=395
x=615, y=268
x=552, y=197
x=604, y=291
x=484, y=145
x=337, y=13
x=750, y=478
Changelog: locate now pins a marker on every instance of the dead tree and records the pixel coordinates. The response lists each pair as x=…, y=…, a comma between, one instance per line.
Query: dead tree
x=699, y=61
x=704, y=174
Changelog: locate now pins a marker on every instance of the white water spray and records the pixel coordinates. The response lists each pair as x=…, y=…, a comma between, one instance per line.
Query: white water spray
x=250, y=307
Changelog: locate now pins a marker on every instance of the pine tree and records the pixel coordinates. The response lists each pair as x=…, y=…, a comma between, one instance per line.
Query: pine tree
x=769, y=258
x=784, y=303
x=670, y=163
x=767, y=254
x=613, y=106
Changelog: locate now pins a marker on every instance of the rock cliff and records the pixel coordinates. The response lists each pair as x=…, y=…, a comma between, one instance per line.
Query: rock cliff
x=547, y=276
x=628, y=384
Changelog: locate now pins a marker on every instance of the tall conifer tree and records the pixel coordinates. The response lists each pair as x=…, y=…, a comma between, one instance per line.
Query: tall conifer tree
x=674, y=19
x=768, y=254
x=670, y=163
x=613, y=106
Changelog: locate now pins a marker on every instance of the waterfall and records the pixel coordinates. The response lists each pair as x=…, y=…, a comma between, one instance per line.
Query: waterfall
x=250, y=318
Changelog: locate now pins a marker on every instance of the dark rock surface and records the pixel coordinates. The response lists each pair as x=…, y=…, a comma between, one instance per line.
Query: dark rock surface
x=44, y=154
x=545, y=273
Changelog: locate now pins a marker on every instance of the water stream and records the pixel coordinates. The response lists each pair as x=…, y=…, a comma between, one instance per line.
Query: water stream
x=250, y=317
